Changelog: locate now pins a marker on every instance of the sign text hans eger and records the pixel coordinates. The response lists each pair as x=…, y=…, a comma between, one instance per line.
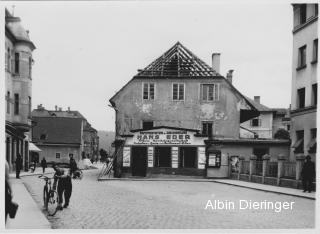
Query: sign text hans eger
x=163, y=137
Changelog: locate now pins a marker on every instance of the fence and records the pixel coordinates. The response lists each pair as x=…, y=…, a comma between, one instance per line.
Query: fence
x=289, y=170
x=272, y=169
x=245, y=169
x=258, y=170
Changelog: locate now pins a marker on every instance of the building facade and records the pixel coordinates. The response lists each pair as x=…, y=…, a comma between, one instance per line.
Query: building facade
x=179, y=116
x=304, y=80
x=18, y=88
x=60, y=134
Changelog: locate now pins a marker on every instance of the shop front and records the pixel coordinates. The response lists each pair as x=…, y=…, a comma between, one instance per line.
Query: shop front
x=164, y=151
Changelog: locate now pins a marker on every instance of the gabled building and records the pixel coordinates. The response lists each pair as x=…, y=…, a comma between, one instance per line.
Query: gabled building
x=304, y=92
x=60, y=134
x=18, y=92
x=179, y=116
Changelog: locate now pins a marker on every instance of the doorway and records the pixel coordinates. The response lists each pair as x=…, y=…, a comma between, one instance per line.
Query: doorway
x=139, y=161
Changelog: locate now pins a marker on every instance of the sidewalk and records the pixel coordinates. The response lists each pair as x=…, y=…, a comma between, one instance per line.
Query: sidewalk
x=28, y=216
x=38, y=171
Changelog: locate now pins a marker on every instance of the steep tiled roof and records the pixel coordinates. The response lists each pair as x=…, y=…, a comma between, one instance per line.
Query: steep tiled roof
x=51, y=113
x=178, y=61
x=57, y=130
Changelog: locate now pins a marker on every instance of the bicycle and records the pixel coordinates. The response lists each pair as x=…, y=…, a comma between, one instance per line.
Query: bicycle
x=77, y=174
x=50, y=196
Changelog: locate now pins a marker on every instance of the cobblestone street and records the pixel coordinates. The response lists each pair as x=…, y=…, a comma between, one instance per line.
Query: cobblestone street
x=168, y=204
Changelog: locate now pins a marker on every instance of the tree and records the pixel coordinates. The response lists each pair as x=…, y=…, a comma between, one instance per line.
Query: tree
x=103, y=155
x=282, y=134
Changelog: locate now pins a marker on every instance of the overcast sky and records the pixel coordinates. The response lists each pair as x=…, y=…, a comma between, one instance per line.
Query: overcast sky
x=88, y=51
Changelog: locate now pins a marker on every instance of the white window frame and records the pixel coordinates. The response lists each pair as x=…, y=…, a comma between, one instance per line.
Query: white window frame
x=184, y=92
x=59, y=155
x=154, y=90
x=214, y=92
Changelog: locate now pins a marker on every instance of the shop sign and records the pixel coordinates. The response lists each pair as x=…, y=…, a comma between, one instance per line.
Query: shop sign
x=126, y=157
x=201, y=157
x=163, y=137
x=174, y=155
x=150, y=156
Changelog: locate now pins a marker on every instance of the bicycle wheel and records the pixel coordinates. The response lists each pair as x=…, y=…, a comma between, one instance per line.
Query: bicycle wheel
x=45, y=197
x=53, y=201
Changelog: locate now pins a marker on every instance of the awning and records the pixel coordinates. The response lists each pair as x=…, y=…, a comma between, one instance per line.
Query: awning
x=312, y=143
x=297, y=143
x=33, y=147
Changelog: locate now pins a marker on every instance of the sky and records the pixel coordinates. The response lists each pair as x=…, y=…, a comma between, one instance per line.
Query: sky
x=87, y=51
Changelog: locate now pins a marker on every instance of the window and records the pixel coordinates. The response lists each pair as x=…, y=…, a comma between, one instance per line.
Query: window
x=43, y=136
x=316, y=9
x=29, y=106
x=298, y=145
x=302, y=57
x=301, y=98
x=315, y=51
x=57, y=155
x=162, y=156
x=178, y=92
x=210, y=92
x=259, y=152
x=314, y=94
x=8, y=102
x=188, y=157
x=16, y=63
x=256, y=122
x=303, y=13
x=70, y=155
x=207, y=128
x=7, y=60
x=16, y=104
x=147, y=125
x=30, y=66
x=148, y=91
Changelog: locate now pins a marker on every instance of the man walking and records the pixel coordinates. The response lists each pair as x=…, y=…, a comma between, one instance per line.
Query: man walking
x=18, y=165
x=307, y=174
x=64, y=186
x=73, y=165
x=43, y=164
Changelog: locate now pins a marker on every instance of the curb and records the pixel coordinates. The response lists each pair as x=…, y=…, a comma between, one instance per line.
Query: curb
x=205, y=180
x=260, y=189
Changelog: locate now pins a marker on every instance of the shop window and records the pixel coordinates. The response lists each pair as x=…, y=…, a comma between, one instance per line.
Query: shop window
x=256, y=122
x=303, y=13
x=148, y=91
x=162, y=156
x=8, y=102
x=301, y=98
x=207, y=128
x=210, y=92
x=146, y=125
x=315, y=51
x=302, y=57
x=58, y=155
x=299, y=144
x=314, y=94
x=178, y=92
x=16, y=63
x=16, y=104
x=188, y=157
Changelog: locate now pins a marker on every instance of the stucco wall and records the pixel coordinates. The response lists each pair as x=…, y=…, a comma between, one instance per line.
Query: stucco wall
x=265, y=129
x=132, y=109
x=49, y=152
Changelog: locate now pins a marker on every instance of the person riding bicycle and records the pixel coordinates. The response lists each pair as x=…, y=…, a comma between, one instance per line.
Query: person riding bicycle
x=64, y=185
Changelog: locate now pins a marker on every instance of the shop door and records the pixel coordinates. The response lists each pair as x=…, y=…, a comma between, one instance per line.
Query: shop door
x=139, y=161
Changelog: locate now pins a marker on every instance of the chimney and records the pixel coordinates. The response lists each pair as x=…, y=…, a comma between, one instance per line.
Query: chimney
x=229, y=76
x=257, y=99
x=216, y=62
x=56, y=107
x=40, y=107
x=69, y=108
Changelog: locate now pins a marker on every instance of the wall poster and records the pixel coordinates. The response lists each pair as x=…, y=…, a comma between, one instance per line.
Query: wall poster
x=174, y=157
x=126, y=157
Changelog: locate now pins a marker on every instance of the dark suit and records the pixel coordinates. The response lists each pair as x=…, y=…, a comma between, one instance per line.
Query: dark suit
x=308, y=174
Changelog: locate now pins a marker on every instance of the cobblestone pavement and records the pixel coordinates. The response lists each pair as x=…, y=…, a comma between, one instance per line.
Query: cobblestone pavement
x=169, y=204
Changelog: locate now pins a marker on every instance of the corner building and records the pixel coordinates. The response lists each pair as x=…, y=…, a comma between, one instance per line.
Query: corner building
x=172, y=115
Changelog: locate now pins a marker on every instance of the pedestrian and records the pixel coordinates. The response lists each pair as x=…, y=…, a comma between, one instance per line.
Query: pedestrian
x=43, y=165
x=73, y=165
x=308, y=174
x=64, y=186
x=18, y=165
x=34, y=164
x=10, y=206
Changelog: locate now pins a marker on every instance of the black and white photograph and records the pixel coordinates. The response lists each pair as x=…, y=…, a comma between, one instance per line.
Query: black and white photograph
x=159, y=116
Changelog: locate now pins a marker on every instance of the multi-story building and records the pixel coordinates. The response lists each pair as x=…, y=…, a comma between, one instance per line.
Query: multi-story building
x=18, y=83
x=304, y=80
x=180, y=116
x=60, y=134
